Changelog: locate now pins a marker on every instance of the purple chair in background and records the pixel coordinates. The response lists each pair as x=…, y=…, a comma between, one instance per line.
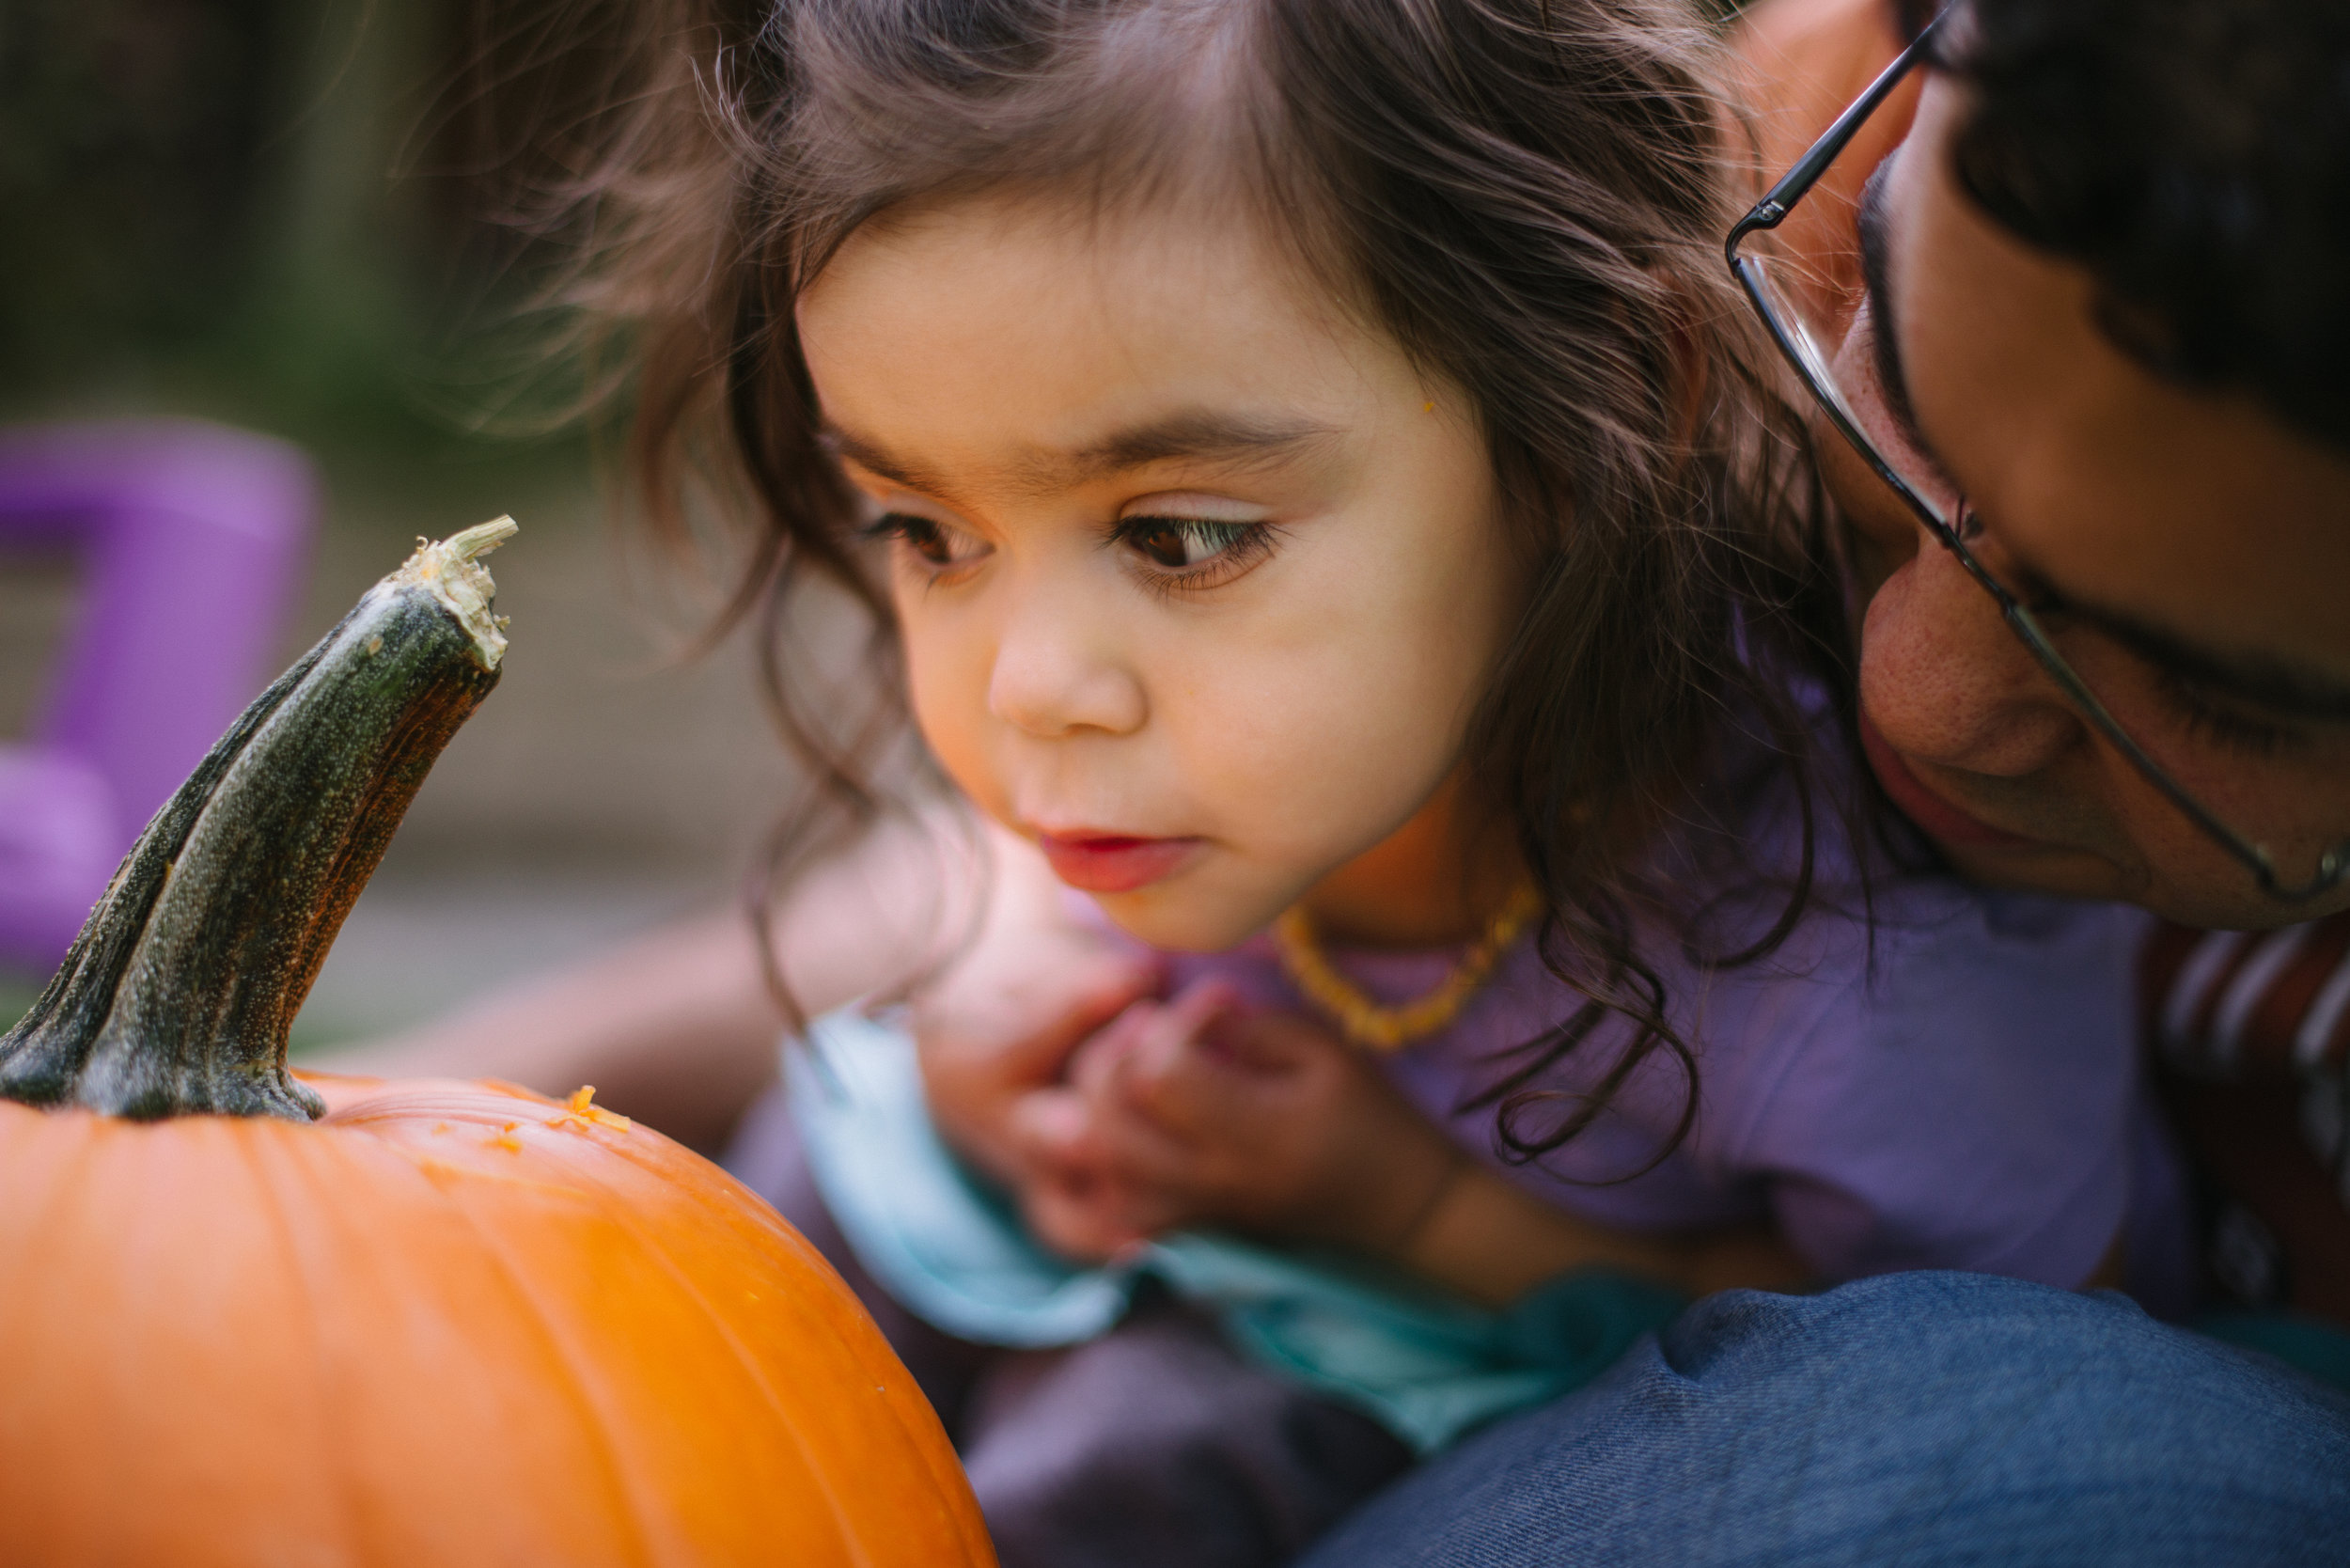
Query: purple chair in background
x=188, y=541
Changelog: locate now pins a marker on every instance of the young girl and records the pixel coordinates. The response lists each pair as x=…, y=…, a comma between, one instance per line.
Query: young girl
x=1333, y=517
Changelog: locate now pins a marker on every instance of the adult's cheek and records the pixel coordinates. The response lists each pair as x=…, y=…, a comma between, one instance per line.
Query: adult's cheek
x=1947, y=682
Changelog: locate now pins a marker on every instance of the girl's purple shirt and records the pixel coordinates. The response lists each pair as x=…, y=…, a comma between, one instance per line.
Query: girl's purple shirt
x=1956, y=1087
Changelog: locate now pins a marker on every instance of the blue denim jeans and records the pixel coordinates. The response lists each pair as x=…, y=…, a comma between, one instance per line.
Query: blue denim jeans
x=1914, y=1419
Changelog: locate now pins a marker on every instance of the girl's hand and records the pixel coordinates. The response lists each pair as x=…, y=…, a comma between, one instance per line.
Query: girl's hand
x=988, y=1046
x=1004, y=1019
x=1196, y=1111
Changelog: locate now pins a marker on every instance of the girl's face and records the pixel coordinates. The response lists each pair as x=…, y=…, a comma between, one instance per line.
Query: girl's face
x=1200, y=579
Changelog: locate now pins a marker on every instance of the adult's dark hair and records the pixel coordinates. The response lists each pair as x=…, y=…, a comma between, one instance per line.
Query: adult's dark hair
x=2195, y=156
x=1528, y=195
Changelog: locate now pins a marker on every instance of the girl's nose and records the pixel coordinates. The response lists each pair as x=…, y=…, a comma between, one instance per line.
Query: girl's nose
x=1054, y=677
x=1947, y=682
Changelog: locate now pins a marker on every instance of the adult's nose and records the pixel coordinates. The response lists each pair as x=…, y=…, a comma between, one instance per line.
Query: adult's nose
x=1059, y=669
x=1947, y=682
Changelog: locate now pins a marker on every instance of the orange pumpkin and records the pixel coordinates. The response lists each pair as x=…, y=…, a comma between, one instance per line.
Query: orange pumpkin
x=447, y=1324
x=439, y=1322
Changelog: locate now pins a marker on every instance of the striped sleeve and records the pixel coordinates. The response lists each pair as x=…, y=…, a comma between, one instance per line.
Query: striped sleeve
x=2250, y=1035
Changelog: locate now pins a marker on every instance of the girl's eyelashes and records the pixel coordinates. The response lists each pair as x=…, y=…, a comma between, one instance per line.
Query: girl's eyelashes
x=1193, y=552
x=1173, y=554
x=942, y=547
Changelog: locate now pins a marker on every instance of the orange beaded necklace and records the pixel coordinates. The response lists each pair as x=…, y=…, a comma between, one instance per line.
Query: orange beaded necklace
x=1373, y=1025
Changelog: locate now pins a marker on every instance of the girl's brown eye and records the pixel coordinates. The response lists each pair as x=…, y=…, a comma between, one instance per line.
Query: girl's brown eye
x=1178, y=544
x=935, y=541
x=928, y=541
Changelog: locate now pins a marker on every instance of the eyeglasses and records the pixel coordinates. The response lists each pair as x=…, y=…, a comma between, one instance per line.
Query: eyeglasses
x=1787, y=297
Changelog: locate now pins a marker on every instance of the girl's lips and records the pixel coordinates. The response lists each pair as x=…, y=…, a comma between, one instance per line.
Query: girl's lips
x=1921, y=805
x=1113, y=862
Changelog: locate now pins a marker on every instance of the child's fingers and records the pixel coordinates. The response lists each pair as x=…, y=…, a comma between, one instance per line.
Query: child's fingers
x=1090, y=1068
x=1201, y=1004
x=1090, y=1218
x=1064, y=1134
x=1171, y=1074
x=1140, y=1153
x=1030, y=1032
x=984, y=1042
x=1273, y=1041
x=1068, y=1219
x=1053, y=1131
x=1112, y=984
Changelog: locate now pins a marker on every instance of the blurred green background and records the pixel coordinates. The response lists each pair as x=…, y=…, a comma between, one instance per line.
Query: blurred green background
x=271, y=214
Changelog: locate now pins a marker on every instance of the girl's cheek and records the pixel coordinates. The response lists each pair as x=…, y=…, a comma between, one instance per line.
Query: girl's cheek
x=947, y=679
x=932, y=692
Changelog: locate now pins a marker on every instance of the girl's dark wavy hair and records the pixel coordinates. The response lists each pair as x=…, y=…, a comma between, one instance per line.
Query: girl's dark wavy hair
x=1528, y=195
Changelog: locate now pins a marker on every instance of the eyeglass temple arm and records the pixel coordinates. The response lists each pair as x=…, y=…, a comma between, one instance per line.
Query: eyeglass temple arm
x=1773, y=208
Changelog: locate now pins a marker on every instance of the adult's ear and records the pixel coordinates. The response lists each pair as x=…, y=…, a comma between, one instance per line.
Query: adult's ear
x=1794, y=66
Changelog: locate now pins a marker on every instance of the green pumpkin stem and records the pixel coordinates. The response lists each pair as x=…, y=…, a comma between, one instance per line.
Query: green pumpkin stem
x=177, y=996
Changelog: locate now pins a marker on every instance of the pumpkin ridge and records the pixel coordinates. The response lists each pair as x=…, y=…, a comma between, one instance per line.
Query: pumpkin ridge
x=293, y=1267
x=760, y=1211
x=444, y=1199
x=595, y=1423
x=64, y=1184
x=744, y=1204
x=438, y=1192
x=451, y=1103
x=693, y=1291
x=906, y=1421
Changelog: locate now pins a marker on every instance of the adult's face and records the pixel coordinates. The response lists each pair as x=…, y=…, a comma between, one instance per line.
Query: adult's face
x=2193, y=553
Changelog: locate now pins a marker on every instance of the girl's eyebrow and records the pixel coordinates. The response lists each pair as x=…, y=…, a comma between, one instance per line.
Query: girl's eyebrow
x=1197, y=433
x=1194, y=433
x=870, y=456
